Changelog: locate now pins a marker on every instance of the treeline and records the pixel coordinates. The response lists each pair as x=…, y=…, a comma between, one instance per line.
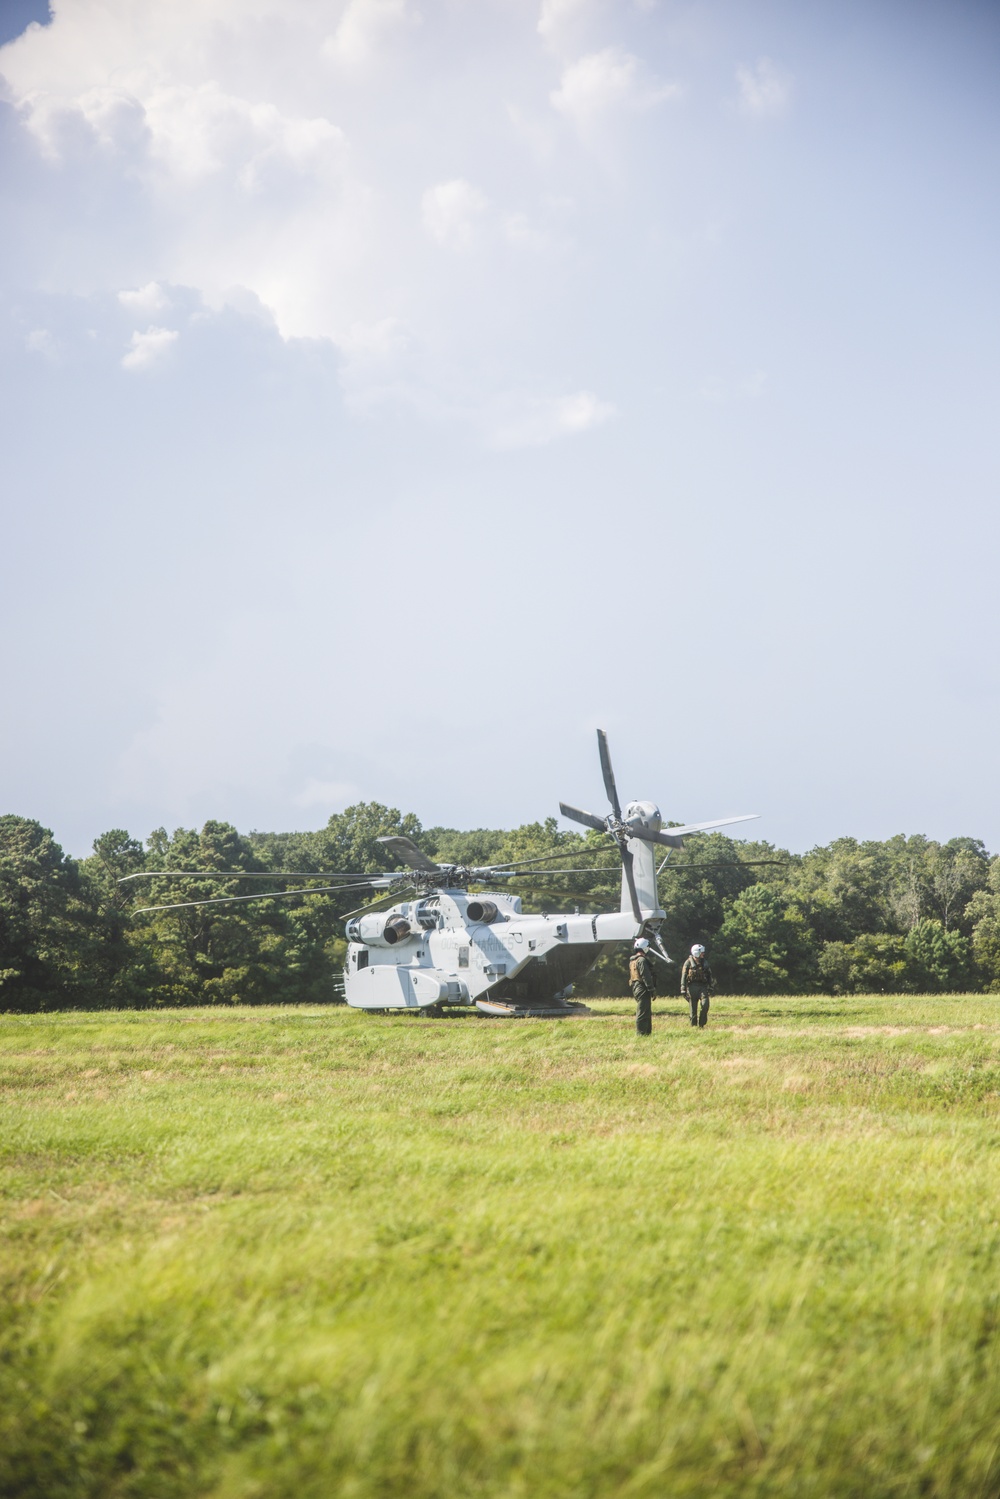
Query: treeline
x=907, y=915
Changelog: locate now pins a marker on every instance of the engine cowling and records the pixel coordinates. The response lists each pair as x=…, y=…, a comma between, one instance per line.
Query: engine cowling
x=379, y=930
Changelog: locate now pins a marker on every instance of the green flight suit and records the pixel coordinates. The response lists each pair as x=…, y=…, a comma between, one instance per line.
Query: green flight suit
x=642, y=980
x=697, y=987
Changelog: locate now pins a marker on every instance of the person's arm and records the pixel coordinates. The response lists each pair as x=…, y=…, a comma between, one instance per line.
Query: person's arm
x=684, y=978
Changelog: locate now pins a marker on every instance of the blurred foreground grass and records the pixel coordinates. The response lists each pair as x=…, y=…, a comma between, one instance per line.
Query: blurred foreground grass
x=288, y=1253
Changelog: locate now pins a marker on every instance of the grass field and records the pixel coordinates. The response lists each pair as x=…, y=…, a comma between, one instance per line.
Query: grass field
x=293, y=1253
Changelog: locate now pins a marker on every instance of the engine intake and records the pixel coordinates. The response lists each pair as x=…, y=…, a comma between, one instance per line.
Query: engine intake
x=482, y=910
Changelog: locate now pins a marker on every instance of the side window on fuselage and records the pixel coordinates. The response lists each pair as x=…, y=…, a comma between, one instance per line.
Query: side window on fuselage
x=362, y=957
x=463, y=957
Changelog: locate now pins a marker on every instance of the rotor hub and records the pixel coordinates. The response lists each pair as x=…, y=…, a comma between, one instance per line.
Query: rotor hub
x=644, y=815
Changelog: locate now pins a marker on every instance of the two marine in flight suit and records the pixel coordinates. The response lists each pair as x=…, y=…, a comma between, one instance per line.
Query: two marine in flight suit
x=697, y=985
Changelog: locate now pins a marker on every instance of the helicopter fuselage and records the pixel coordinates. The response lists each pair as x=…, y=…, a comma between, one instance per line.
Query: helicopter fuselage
x=457, y=948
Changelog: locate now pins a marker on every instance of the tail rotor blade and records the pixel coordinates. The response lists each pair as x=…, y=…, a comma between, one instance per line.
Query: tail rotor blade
x=587, y=818
x=609, y=775
x=668, y=840
x=719, y=822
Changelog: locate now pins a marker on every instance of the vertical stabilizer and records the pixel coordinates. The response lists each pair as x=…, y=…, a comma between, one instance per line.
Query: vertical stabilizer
x=644, y=874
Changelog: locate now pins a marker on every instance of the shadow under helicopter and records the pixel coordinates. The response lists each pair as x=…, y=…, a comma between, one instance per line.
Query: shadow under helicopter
x=545, y=980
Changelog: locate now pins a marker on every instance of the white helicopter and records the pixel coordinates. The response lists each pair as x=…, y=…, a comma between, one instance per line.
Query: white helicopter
x=446, y=947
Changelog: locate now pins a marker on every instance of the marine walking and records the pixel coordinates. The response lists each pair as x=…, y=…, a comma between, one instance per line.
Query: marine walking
x=697, y=984
x=642, y=980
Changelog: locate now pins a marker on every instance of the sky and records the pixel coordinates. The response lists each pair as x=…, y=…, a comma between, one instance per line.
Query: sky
x=396, y=391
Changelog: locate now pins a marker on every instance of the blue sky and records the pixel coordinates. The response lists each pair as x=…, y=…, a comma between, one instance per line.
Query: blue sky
x=395, y=392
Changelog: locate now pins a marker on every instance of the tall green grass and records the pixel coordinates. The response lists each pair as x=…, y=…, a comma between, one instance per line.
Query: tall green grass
x=280, y=1253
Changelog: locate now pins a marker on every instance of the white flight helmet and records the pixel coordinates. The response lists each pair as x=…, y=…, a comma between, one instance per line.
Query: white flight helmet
x=642, y=943
x=697, y=951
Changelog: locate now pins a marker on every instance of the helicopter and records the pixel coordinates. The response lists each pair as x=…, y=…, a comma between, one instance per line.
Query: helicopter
x=449, y=936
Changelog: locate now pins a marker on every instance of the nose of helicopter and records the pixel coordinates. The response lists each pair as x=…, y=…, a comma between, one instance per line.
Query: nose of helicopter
x=644, y=814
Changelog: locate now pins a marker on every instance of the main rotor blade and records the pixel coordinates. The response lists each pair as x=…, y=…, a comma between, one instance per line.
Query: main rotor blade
x=630, y=882
x=240, y=874
x=559, y=853
x=587, y=818
x=720, y=864
x=720, y=822
x=378, y=905
x=609, y=775
x=405, y=849
x=542, y=874
x=221, y=900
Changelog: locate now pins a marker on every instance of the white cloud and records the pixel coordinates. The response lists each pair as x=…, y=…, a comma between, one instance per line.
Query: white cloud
x=556, y=16
x=238, y=174
x=523, y=235
x=535, y=421
x=203, y=131
x=451, y=212
x=146, y=301
x=148, y=348
x=363, y=30
x=764, y=91
x=189, y=131
x=374, y=341
x=374, y=363
x=603, y=81
x=40, y=341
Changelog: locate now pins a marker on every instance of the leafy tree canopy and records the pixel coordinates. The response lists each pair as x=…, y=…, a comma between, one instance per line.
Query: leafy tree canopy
x=904, y=915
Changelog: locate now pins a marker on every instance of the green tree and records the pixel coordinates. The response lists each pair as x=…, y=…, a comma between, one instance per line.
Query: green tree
x=765, y=945
x=928, y=959
x=699, y=884
x=844, y=888
x=121, y=971
x=938, y=960
x=957, y=870
x=933, y=880
x=249, y=952
x=875, y=963
x=903, y=915
x=43, y=927
x=983, y=914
